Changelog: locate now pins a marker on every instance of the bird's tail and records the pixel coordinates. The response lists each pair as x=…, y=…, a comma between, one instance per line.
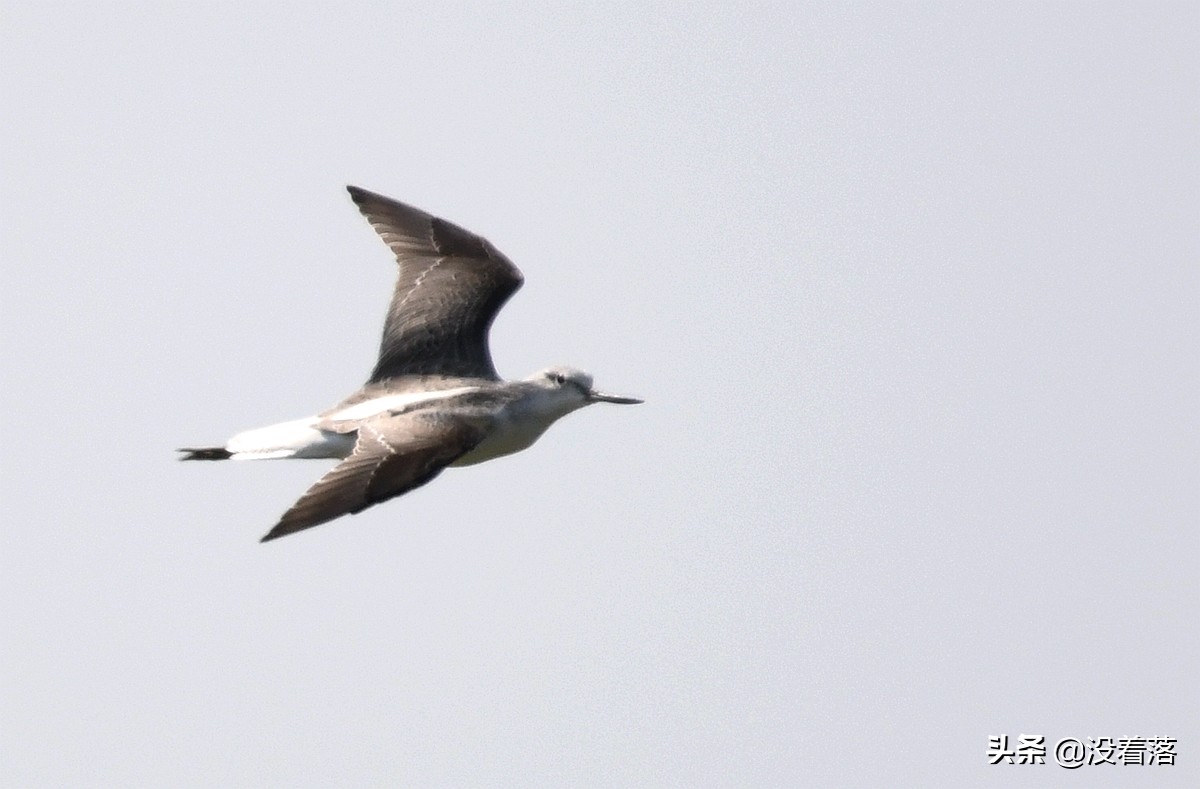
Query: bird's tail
x=206, y=453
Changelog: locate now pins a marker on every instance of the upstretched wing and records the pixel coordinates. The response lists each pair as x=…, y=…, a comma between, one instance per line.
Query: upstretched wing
x=451, y=285
x=391, y=456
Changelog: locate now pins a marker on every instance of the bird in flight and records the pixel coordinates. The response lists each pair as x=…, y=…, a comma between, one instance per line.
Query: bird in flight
x=434, y=398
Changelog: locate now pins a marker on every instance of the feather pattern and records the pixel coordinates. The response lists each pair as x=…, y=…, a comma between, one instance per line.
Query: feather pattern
x=450, y=286
x=392, y=455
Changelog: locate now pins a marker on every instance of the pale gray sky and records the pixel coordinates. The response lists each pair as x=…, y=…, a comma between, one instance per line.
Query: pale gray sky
x=911, y=292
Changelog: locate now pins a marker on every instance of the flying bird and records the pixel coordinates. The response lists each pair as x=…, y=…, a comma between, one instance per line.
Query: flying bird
x=434, y=398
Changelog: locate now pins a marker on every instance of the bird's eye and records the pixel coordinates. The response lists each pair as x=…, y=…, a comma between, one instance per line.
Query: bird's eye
x=558, y=378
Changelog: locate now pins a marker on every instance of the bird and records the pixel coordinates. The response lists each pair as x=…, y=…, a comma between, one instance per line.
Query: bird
x=434, y=399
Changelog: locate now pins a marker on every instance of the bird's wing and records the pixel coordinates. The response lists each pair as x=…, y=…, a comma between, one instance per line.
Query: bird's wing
x=392, y=455
x=450, y=287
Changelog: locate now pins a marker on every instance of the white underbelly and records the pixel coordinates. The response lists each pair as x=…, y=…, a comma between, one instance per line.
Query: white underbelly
x=504, y=439
x=295, y=439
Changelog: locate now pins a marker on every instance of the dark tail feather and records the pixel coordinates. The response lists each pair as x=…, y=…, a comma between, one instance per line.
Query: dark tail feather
x=206, y=453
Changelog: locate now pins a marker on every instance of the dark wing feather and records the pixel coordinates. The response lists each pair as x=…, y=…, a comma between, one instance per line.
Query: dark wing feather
x=451, y=285
x=391, y=456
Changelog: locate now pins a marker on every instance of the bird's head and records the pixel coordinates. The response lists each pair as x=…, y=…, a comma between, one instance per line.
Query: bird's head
x=575, y=386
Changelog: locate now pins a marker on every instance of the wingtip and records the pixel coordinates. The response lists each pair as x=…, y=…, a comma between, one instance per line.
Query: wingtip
x=283, y=529
x=274, y=534
x=358, y=194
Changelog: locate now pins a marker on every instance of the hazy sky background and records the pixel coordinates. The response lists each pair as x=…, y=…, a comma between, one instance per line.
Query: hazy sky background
x=911, y=292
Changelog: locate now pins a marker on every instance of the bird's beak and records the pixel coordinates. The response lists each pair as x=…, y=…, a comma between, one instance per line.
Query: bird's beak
x=601, y=397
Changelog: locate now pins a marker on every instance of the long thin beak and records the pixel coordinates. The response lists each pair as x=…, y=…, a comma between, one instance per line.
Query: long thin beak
x=601, y=397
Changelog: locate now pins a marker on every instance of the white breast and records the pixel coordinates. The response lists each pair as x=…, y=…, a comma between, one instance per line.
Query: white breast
x=505, y=439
